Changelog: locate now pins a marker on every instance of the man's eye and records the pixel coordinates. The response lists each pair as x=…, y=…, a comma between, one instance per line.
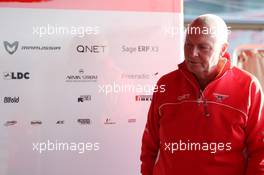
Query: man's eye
x=204, y=47
x=189, y=45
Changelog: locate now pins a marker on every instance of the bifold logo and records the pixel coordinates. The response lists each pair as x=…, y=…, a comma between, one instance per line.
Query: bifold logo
x=16, y=75
x=140, y=49
x=91, y=49
x=85, y=121
x=81, y=77
x=10, y=123
x=143, y=97
x=11, y=48
x=83, y=98
x=11, y=99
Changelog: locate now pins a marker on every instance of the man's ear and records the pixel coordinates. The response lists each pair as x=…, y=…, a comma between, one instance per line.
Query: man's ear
x=223, y=49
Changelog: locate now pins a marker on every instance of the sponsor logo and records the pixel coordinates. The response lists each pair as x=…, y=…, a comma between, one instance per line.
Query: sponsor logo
x=36, y=122
x=140, y=49
x=138, y=76
x=41, y=48
x=60, y=122
x=108, y=121
x=16, y=75
x=135, y=76
x=11, y=48
x=84, y=121
x=95, y=49
x=143, y=97
x=83, y=98
x=11, y=99
x=131, y=120
x=220, y=97
x=81, y=77
x=11, y=122
x=183, y=97
x=81, y=71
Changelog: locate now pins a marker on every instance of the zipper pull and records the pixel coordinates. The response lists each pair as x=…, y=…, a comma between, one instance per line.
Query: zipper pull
x=206, y=113
x=199, y=100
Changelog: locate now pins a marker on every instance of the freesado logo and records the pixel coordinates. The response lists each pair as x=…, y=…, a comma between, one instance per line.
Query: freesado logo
x=11, y=48
x=16, y=75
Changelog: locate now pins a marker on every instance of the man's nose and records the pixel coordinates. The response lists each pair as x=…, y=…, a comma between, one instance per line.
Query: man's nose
x=194, y=51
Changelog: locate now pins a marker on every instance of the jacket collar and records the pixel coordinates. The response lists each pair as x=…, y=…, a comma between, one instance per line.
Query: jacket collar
x=182, y=66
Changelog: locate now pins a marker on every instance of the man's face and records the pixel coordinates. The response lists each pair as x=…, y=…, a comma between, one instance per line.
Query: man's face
x=202, y=52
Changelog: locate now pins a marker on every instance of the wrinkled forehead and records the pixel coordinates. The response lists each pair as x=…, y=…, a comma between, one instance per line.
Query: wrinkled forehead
x=207, y=28
x=202, y=30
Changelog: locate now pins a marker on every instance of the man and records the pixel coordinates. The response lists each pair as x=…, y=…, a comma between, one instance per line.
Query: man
x=210, y=119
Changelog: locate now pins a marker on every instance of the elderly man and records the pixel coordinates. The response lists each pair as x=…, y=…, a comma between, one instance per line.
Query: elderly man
x=210, y=119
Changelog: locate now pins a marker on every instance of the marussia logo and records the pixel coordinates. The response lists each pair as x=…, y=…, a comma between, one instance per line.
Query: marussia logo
x=11, y=48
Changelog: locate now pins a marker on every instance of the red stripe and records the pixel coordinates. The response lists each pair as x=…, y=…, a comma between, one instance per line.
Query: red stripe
x=118, y=5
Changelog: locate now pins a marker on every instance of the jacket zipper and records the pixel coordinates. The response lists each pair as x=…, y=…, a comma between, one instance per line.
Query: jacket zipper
x=201, y=98
x=204, y=101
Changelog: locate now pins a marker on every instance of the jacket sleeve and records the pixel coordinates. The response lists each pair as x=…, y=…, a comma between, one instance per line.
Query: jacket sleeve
x=150, y=139
x=255, y=131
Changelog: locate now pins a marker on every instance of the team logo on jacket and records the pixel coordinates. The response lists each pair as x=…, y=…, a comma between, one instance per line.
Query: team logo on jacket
x=183, y=97
x=220, y=97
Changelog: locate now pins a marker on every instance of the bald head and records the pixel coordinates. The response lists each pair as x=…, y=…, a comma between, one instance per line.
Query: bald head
x=205, y=45
x=209, y=24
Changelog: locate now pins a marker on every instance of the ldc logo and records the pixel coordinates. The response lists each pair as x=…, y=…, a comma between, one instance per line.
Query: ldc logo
x=16, y=75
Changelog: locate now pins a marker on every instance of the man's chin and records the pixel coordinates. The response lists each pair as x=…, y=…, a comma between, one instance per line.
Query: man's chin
x=197, y=71
x=195, y=68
